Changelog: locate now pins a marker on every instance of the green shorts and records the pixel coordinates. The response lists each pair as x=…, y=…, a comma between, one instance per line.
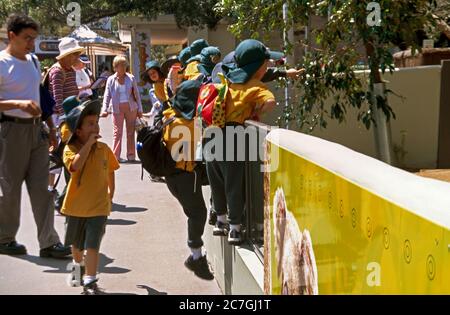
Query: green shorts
x=84, y=233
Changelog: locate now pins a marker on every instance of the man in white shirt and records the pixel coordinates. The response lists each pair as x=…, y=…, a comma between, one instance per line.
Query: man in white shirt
x=84, y=81
x=23, y=143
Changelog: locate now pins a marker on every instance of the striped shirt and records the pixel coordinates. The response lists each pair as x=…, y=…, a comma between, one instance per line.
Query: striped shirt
x=62, y=84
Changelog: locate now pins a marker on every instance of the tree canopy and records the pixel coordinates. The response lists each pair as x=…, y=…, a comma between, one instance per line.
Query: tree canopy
x=331, y=56
x=52, y=14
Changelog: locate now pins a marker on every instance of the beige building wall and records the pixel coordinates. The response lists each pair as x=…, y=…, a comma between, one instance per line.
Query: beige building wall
x=415, y=132
x=219, y=37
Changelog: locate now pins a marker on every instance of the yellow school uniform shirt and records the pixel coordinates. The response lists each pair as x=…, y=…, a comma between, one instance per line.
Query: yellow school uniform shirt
x=65, y=133
x=161, y=91
x=170, y=139
x=191, y=72
x=87, y=192
x=243, y=99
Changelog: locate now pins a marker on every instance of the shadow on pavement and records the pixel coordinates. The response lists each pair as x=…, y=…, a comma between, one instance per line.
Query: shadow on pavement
x=120, y=222
x=63, y=265
x=123, y=208
x=104, y=261
x=57, y=265
x=151, y=291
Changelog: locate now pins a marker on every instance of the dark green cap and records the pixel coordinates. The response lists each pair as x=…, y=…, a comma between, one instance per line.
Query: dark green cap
x=184, y=56
x=152, y=64
x=196, y=49
x=185, y=100
x=70, y=103
x=75, y=117
x=206, y=65
x=249, y=57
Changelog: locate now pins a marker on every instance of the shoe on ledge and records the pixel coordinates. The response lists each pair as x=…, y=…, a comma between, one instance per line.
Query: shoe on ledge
x=12, y=248
x=57, y=250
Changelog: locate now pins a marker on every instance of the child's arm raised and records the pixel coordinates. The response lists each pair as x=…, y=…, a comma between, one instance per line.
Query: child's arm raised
x=81, y=157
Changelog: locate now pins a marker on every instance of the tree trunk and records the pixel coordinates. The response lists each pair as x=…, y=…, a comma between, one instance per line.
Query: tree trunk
x=382, y=128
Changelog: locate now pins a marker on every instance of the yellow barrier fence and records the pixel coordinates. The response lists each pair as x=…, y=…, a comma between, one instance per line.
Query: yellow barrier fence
x=339, y=222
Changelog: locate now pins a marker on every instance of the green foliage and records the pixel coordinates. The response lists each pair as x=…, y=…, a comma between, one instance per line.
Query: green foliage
x=331, y=53
x=52, y=14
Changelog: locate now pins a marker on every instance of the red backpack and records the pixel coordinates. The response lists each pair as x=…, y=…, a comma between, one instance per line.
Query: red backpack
x=211, y=103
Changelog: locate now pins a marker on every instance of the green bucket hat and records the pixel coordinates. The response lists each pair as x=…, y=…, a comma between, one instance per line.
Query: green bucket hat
x=68, y=104
x=152, y=64
x=184, y=56
x=196, y=49
x=249, y=57
x=207, y=65
x=76, y=115
x=185, y=100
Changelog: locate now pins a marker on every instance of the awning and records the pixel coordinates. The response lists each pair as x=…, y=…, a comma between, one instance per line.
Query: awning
x=96, y=44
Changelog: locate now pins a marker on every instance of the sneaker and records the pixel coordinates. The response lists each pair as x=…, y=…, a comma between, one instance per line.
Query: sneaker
x=221, y=229
x=120, y=160
x=212, y=217
x=76, y=277
x=157, y=179
x=12, y=248
x=92, y=289
x=200, y=267
x=57, y=250
x=235, y=237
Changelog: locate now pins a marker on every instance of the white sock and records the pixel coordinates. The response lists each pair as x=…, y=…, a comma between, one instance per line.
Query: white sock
x=222, y=218
x=88, y=279
x=50, y=188
x=76, y=263
x=196, y=253
x=236, y=227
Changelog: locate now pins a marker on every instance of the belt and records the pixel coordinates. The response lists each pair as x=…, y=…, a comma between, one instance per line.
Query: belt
x=17, y=120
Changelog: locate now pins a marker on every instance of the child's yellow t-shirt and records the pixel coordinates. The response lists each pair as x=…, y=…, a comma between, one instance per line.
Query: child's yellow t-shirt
x=161, y=91
x=191, y=72
x=245, y=99
x=87, y=192
x=65, y=133
x=181, y=131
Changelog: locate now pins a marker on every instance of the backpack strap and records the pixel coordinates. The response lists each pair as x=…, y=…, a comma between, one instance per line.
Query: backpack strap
x=46, y=78
x=168, y=122
x=34, y=62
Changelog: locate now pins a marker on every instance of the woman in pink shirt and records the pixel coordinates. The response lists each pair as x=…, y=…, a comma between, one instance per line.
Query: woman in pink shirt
x=122, y=94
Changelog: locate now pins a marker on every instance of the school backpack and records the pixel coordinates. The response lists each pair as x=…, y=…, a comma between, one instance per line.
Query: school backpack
x=211, y=103
x=47, y=101
x=152, y=151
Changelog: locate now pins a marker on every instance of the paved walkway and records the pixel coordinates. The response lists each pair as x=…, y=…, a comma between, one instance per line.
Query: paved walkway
x=142, y=252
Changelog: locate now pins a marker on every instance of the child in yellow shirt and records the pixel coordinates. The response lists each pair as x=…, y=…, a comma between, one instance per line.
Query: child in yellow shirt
x=90, y=190
x=247, y=97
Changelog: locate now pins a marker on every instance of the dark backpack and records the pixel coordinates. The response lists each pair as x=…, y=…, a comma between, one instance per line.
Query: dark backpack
x=152, y=151
x=47, y=101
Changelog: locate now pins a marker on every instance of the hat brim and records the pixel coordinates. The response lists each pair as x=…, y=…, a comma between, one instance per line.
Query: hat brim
x=69, y=52
x=146, y=78
x=165, y=67
x=276, y=55
x=206, y=70
x=241, y=75
x=93, y=107
x=195, y=58
x=185, y=100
